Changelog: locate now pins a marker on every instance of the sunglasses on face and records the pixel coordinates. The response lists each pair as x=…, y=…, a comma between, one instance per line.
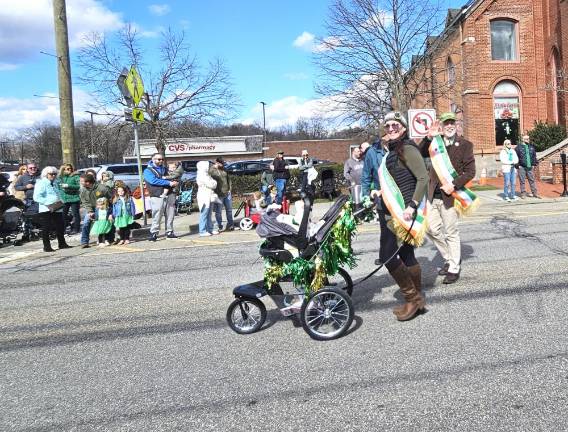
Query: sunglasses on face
x=32, y=168
x=393, y=126
x=51, y=173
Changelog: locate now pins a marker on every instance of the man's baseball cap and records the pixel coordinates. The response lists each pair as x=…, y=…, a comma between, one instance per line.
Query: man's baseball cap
x=280, y=152
x=396, y=116
x=447, y=116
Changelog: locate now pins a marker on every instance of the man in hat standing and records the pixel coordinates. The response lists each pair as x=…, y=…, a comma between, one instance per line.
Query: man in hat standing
x=527, y=161
x=223, y=191
x=281, y=172
x=442, y=215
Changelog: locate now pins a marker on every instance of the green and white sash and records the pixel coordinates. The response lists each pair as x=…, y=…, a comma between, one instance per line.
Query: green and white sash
x=465, y=201
x=406, y=231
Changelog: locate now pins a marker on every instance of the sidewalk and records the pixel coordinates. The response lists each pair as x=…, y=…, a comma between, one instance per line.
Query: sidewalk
x=545, y=189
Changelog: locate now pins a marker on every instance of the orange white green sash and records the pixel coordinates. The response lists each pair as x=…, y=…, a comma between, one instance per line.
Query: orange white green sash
x=406, y=231
x=465, y=201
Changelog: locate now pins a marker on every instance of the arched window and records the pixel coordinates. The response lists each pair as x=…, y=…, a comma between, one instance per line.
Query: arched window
x=504, y=40
x=506, y=109
x=451, y=68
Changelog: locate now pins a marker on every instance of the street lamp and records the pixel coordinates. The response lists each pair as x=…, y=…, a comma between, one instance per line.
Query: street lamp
x=263, y=124
x=92, y=156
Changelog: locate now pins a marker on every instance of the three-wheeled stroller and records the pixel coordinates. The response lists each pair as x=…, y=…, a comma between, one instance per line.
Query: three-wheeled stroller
x=324, y=314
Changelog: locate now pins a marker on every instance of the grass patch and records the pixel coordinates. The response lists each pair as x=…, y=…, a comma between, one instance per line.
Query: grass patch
x=484, y=187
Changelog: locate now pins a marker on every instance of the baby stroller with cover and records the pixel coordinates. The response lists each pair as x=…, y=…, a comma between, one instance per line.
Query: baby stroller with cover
x=185, y=198
x=326, y=312
x=328, y=184
x=11, y=218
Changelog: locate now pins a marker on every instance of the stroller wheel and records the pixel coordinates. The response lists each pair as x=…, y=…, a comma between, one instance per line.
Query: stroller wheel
x=246, y=316
x=327, y=314
x=246, y=224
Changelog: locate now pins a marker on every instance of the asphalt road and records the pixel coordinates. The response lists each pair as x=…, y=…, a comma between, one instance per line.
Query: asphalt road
x=137, y=341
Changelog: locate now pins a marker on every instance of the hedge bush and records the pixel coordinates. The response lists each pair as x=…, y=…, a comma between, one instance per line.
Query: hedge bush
x=545, y=135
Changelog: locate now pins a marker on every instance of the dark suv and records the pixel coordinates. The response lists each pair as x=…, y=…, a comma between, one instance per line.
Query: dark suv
x=246, y=167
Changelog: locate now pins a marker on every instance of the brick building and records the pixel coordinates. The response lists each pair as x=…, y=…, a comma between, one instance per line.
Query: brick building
x=497, y=64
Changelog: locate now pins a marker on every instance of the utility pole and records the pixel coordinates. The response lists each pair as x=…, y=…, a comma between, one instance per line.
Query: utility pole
x=64, y=79
x=263, y=125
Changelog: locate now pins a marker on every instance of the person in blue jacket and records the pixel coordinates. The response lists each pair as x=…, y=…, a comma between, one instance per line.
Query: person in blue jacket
x=48, y=195
x=162, y=196
x=370, y=176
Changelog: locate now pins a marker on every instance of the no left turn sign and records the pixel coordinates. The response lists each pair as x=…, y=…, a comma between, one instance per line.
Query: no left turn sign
x=419, y=121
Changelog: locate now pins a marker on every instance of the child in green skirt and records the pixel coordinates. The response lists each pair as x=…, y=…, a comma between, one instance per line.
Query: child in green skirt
x=103, y=222
x=123, y=212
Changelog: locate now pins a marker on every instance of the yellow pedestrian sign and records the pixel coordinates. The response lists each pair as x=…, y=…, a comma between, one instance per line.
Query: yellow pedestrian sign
x=138, y=115
x=134, y=85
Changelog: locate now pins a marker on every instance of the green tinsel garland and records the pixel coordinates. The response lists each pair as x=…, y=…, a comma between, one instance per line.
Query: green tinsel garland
x=335, y=251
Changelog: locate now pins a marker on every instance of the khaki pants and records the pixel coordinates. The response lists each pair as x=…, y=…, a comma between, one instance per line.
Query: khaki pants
x=444, y=233
x=165, y=206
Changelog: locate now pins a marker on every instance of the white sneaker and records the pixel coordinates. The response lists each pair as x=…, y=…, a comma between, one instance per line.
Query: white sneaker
x=214, y=232
x=506, y=199
x=205, y=234
x=107, y=243
x=102, y=245
x=515, y=198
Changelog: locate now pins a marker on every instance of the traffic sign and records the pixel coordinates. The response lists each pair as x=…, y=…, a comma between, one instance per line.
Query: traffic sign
x=134, y=85
x=138, y=115
x=420, y=120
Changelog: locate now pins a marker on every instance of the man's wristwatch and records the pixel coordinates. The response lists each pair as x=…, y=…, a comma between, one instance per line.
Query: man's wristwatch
x=413, y=205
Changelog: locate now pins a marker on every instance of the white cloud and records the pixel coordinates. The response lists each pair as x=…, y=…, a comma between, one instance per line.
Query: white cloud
x=26, y=27
x=8, y=66
x=287, y=111
x=382, y=18
x=307, y=42
x=159, y=9
x=19, y=114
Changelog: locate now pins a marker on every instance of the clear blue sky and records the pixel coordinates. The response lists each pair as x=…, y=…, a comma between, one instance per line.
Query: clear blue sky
x=266, y=45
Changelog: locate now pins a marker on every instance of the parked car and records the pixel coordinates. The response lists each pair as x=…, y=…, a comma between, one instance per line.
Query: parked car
x=126, y=172
x=294, y=161
x=246, y=167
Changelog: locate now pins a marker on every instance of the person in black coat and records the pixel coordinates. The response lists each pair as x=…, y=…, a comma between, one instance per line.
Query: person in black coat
x=281, y=174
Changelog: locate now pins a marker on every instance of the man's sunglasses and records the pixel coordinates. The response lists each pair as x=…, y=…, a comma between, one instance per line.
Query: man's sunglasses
x=393, y=126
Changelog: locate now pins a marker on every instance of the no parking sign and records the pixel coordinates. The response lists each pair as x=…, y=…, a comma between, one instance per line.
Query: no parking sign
x=419, y=121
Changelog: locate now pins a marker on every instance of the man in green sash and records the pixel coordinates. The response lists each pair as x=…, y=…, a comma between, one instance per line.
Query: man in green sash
x=442, y=213
x=527, y=161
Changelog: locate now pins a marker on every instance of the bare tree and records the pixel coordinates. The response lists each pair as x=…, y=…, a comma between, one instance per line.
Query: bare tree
x=368, y=52
x=179, y=89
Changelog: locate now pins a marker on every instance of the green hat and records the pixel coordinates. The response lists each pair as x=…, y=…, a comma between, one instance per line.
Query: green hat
x=447, y=116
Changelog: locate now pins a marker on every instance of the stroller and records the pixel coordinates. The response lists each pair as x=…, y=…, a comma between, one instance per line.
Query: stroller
x=11, y=219
x=328, y=184
x=324, y=314
x=252, y=219
x=185, y=198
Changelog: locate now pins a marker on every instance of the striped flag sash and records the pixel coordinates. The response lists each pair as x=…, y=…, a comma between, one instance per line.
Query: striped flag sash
x=465, y=200
x=406, y=231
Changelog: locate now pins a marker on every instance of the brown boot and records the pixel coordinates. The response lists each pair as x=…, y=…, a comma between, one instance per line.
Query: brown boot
x=416, y=275
x=414, y=300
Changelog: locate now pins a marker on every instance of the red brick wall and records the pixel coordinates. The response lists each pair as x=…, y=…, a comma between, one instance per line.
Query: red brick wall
x=336, y=150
